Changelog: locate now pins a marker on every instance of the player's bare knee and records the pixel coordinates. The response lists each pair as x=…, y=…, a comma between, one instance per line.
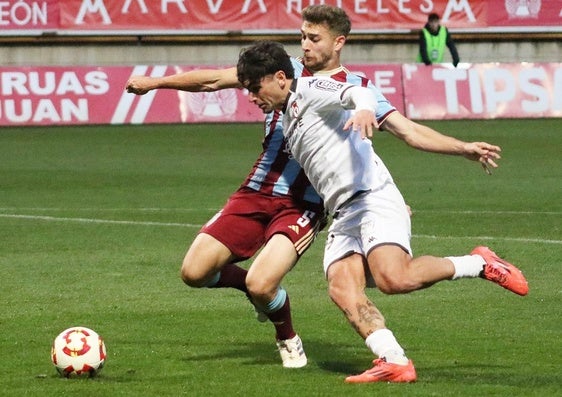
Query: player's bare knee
x=190, y=275
x=260, y=289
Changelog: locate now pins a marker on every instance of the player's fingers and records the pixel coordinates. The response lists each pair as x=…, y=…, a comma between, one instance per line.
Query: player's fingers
x=368, y=131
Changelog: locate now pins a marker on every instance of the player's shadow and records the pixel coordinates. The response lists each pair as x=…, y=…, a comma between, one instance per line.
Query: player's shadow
x=329, y=357
x=354, y=358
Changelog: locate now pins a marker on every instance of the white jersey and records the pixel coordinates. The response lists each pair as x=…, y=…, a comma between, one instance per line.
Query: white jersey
x=337, y=162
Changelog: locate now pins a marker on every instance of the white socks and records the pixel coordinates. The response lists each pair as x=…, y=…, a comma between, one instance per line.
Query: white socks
x=384, y=345
x=467, y=266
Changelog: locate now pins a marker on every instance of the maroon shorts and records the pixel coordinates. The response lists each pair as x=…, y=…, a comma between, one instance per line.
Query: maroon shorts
x=250, y=218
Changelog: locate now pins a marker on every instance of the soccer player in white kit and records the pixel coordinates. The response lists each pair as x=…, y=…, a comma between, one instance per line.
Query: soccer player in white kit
x=370, y=219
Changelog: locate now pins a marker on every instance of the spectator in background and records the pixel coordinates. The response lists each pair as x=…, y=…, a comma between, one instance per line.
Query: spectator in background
x=433, y=39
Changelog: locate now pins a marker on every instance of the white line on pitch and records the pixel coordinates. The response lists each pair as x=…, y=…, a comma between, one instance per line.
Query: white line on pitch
x=520, y=239
x=150, y=209
x=94, y=209
x=89, y=220
x=191, y=225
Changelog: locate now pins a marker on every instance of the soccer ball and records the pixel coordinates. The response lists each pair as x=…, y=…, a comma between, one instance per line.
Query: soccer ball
x=78, y=352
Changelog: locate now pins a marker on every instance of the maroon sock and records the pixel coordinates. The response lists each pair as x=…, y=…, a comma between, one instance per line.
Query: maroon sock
x=232, y=276
x=282, y=321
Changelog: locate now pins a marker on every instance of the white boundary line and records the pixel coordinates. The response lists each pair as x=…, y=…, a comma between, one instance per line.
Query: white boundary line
x=149, y=209
x=93, y=220
x=191, y=225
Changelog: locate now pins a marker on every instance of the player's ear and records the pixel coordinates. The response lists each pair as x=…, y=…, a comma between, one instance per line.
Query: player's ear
x=281, y=78
x=339, y=42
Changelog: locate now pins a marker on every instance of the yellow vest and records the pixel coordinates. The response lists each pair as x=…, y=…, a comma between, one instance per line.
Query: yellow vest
x=435, y=45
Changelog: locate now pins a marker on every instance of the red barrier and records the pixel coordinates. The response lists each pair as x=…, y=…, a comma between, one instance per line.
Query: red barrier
x=271, y=16
x=96, y=95
x=490, y=90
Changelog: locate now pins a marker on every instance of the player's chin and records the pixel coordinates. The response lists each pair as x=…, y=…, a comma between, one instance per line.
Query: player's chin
x=311, y=64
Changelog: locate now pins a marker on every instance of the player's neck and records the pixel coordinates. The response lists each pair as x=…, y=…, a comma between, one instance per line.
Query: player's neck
x=329, y=72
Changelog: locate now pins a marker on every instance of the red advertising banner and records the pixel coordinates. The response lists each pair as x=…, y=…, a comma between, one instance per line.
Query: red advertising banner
x=386, y=77
x=96, y=95
x=480, y=91
x=172, y=15
x=265, y=16
x=89, y=95
x=29, y=15
x=524, y=13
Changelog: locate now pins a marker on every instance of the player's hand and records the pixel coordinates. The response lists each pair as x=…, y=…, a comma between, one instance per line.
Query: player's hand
x=362, y=121
x=139, y=85
x=484, y=153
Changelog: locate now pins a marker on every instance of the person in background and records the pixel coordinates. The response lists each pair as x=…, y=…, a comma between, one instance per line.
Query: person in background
x=433, y=40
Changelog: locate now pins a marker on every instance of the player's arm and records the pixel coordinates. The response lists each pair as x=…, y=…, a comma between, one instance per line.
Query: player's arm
x=427, y=139
x=364, y=102
x=203, y=80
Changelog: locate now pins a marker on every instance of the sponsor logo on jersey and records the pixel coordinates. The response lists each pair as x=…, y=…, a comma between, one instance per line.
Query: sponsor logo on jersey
x=327, y=85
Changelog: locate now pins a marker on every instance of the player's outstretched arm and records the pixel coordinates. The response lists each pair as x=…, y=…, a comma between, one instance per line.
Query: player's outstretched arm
x=362, y=122
x=193, y=81
x=427, y=139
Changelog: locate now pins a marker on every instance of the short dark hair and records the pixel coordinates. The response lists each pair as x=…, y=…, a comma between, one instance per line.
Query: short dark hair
x=433, y=17
x=334, y=17
x=262, y=59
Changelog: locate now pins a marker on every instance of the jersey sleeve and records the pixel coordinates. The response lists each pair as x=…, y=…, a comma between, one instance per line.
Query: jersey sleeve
x=384, y=107
x=358, y=98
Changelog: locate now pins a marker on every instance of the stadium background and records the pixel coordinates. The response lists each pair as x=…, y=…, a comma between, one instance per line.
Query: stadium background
x=510, y=53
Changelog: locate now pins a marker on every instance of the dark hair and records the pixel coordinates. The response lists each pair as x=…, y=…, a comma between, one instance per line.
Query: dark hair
x=433, y=17
x=262, y=59
x=335, y=18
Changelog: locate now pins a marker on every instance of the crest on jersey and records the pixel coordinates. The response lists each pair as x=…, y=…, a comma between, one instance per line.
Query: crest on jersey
x=294, y=109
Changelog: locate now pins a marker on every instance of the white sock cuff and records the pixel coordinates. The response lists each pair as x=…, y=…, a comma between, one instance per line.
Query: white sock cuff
x=382, y=342
x=467, y=266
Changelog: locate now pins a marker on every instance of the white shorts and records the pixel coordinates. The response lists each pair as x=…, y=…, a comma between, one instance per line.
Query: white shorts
x=372, y=219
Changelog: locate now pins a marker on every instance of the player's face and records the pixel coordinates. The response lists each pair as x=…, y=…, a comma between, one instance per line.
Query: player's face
x=320, y=47
x=267, y=95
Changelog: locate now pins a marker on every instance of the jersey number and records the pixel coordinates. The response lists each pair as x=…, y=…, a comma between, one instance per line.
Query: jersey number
x=305, y=218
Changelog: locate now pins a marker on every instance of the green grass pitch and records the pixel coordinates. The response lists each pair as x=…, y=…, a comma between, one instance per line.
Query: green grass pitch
x=95, y=221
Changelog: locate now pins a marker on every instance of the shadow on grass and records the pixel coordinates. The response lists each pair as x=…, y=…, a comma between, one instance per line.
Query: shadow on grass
x=346, y=359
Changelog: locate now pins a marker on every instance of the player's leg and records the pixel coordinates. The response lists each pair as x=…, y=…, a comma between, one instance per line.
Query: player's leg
x=392, y=265
x=209, y=263
x=347, y=282
x=231, y=235
x=346, y=287
x=347, y=271
x=291, y=231
x=396, y=272
x=264, y=278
